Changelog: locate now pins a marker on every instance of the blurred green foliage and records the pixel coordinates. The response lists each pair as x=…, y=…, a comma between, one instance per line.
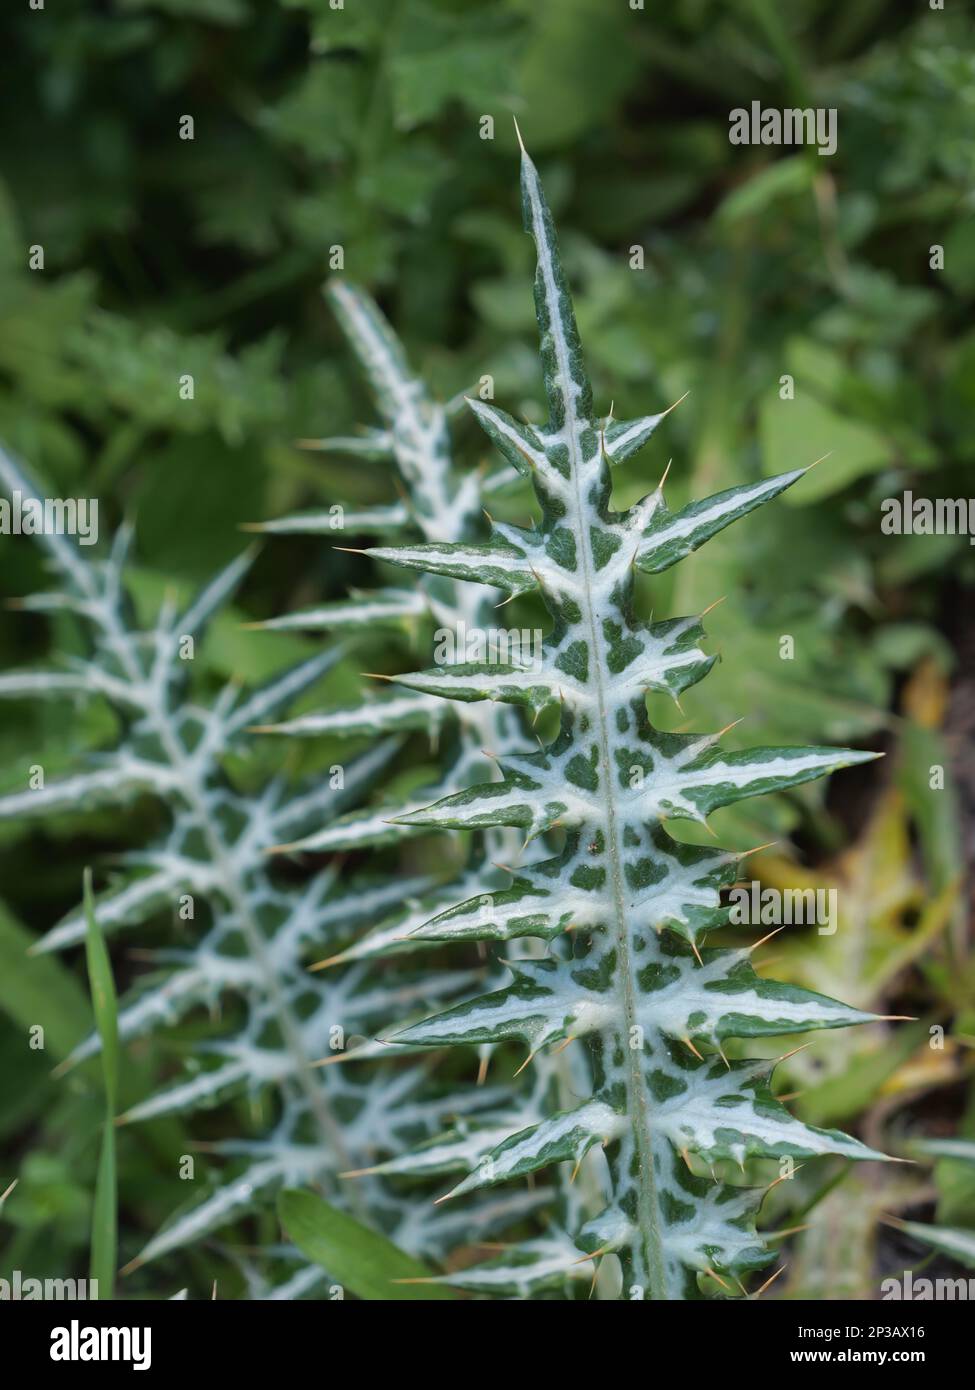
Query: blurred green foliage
x=360, y=128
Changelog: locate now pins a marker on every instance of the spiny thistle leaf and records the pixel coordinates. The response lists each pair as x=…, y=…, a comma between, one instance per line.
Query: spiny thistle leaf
x=653, y=1006
x=243, y=935
x=444, y=509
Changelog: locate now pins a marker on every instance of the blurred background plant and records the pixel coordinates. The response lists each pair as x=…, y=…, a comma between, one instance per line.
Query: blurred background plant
x=697, y=265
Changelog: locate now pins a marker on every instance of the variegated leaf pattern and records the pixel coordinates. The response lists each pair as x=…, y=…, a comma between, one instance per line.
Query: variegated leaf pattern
x=637, y=983
x=242, y=934
x=442, y=507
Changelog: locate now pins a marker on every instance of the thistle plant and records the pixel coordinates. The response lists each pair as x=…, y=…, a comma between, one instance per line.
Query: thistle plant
x=613, y=923
x=625, y=908
x=241, y=940
x=442, y=505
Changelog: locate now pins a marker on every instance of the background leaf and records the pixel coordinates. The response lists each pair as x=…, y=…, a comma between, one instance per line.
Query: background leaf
x=361, y=1260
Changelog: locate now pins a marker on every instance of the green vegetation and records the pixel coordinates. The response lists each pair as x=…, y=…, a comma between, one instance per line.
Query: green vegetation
x=810, y=305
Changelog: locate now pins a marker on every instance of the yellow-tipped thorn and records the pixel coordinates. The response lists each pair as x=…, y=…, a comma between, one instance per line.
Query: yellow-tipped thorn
x=822, y=458
x=712, y=606
x=5, y=1195
x=756, y=944
x=324, y=964
x=769, y=844
x=783, y=1176
x=504, y=602
x=359, y=1172
x=332, y=1059
x=482, y=1069
x=696, y=952
x=351, y=549
x=716, y=1277
x=603, y=1250
x=680, y=400
x=660, y=485
x=789, y=1231
x=687, y=1042
x=768, y=1282
x=130, y=1268
x=521, y=143
x=530, y=1058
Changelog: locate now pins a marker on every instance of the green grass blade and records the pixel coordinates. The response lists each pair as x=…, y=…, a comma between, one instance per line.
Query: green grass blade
x=361, y=1260
x=104, y=1218
x=104, y=1225
x=103, y=998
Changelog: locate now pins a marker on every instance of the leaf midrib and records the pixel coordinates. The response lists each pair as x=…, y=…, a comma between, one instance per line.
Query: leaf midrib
x=647, y=1205
x=236, y=893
